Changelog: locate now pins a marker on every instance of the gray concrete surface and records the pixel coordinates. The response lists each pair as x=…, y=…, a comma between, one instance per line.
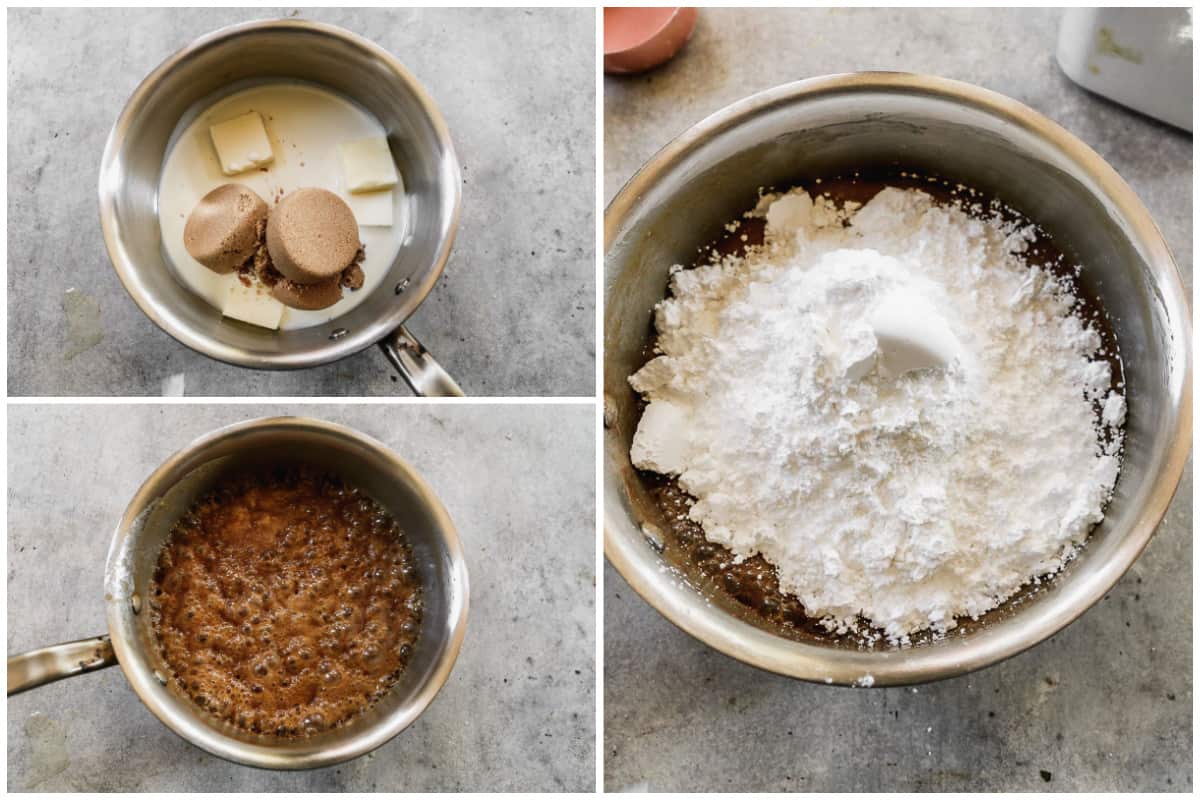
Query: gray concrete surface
x=1106, y=704
x=514, y=313
x=518, y=712
x=735, y=53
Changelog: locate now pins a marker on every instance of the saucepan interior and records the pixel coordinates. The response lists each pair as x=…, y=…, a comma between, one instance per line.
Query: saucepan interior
x=232, y=59
x=713, y=173
x=169, y=492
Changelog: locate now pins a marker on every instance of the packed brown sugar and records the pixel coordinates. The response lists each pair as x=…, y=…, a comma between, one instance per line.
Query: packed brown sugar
x=286, y=601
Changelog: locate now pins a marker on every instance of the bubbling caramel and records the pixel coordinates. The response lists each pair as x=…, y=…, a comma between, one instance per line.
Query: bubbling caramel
x=286, y=601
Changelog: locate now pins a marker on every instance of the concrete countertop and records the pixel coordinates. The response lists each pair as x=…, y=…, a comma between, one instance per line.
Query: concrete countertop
x=514, y=313
x=518, y=711
x=1104, y=705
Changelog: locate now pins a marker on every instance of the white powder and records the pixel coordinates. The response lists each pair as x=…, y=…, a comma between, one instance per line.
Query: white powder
x=905, y=498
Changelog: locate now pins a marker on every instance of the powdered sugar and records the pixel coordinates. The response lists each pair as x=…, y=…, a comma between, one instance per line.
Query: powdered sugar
x=906, y=498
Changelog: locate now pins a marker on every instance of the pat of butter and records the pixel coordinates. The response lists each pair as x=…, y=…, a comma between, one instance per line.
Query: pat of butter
x=371, y=208
x=252, y=304
x=242, y=143
x=368, y=165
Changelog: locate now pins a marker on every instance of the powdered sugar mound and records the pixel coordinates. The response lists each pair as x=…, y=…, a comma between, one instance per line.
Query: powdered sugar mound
x=906, y=500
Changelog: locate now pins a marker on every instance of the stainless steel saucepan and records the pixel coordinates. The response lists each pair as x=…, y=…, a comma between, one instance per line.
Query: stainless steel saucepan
x=139, y=537
x=225, y=61
x=712, y=173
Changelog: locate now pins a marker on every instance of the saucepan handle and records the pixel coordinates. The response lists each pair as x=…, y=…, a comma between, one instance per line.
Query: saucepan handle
x=49, y=664
x=418, y=368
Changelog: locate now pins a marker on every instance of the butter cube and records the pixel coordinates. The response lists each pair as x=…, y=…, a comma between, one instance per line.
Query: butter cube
x=242, y=143
x=252, y=304
x=367, y=165
x=372, y=208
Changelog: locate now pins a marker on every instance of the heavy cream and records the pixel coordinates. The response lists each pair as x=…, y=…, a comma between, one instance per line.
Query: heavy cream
x=306, y=127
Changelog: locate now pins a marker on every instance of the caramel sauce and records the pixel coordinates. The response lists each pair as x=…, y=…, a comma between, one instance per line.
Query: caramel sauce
x=286, y=601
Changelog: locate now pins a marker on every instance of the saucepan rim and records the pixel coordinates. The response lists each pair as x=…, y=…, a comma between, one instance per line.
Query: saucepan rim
x=334, y=348
x=351, y=744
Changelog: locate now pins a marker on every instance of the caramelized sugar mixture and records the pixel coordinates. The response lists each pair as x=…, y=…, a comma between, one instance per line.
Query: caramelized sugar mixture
x=751, y=586
x=286, y=601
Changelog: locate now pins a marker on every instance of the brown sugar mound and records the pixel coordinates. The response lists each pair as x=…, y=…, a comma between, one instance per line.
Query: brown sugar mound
x=305, y=251
x=312, y=236
x=307, y=296
x=224, y=228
